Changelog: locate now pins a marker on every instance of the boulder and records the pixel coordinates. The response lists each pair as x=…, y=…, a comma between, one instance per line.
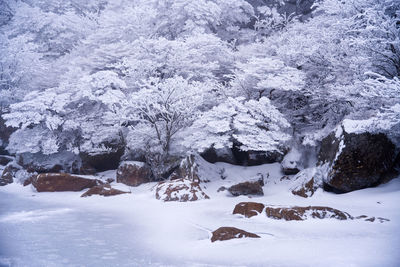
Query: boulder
x=56, y=182
x=103, y=190
x=291, y=163
x=106, y=160
x=354, y=160
x=8, y=174
x=248, y=209
x=306, y=183
x=227, y=233
x=181, y=190
x=213, y=155
x=64, y=161
x=133, y=173
x=4, y=160
x=188, y=169
x=303, y=213
x=247, y=188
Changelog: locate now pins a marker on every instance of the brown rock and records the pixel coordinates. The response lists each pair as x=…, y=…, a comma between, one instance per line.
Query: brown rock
x=227, y=233
x=247, y=188
x=306, y=190
x=8, y=174
x=302, y=213
x=133, y=173
x=180, y=190
x=56, y=182
x=103, y=190
x=248, y=209
x=221, y=189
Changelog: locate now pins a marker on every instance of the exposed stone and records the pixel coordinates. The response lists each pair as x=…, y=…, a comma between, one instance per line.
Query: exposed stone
x=180, y=190
x=247, y=188
x=133, y=173
x=56, y=182
x=110, y=180
x=307, y=183
x=221, y=189
x=59, y=162
x=248, y=209
x=303, y=213
x=227, y=233
x=4, y=160
x=355, y=160
x=188, y=169
x=103, y=190
x=219, y=155
x=8, y=174
x=107, y=160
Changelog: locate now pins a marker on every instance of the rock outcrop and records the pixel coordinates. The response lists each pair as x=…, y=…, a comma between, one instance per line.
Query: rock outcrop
x=355, y=160
x=247, y=188
x=103, y=190
x=8, y=174
x=306, y=183
x=248, y=209
x=227, y=233
x=303, y=213
x=56, y=182
x=181, y=190
x=4, y=160
x=133, y=173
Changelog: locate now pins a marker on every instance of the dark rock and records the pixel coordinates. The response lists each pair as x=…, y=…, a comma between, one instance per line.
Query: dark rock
x=59, y=162
x=181, y=190
x=133, y=173
x=248, y=209
x=56, y=182
x=247, y=188
x=110, y=180
x=221, y=189
x=4, y=160
x=227, y=233
x=86, y=169
x=219, y=155
x=5, y=133
x=103, y=190
x=108, y=160
x=355, y=161
x=188, y=169
x=302, y=213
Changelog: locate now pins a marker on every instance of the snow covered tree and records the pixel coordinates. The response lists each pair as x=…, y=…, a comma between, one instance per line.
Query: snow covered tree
x=255, y=125
x=157, y=113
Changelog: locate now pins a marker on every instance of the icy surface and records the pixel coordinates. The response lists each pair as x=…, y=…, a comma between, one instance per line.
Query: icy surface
x=62, y=229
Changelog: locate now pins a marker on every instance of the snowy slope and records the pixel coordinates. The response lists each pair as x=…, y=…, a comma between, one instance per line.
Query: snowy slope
x=138, y=230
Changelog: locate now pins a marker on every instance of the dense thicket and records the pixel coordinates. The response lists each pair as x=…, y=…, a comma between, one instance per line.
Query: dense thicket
x=161, y=78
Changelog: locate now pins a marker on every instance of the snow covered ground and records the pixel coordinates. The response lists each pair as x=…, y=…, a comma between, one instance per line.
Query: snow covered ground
x=63, y=229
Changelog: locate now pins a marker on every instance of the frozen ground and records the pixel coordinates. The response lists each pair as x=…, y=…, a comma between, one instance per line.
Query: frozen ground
x=62, y=229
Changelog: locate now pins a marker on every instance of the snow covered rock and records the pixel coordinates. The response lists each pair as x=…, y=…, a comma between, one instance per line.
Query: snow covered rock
x=306, y=183
x=188, y=169
x=56, y=182
x=103, y=190
x=181, y=190
x=104, y=160
x=8, y=174
x=248, y=209
x=303, y=213
x=247, y=188
x=133, y=173
x=58, y=162
x=355, y=160
x=227, y=233
x=291, y=163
